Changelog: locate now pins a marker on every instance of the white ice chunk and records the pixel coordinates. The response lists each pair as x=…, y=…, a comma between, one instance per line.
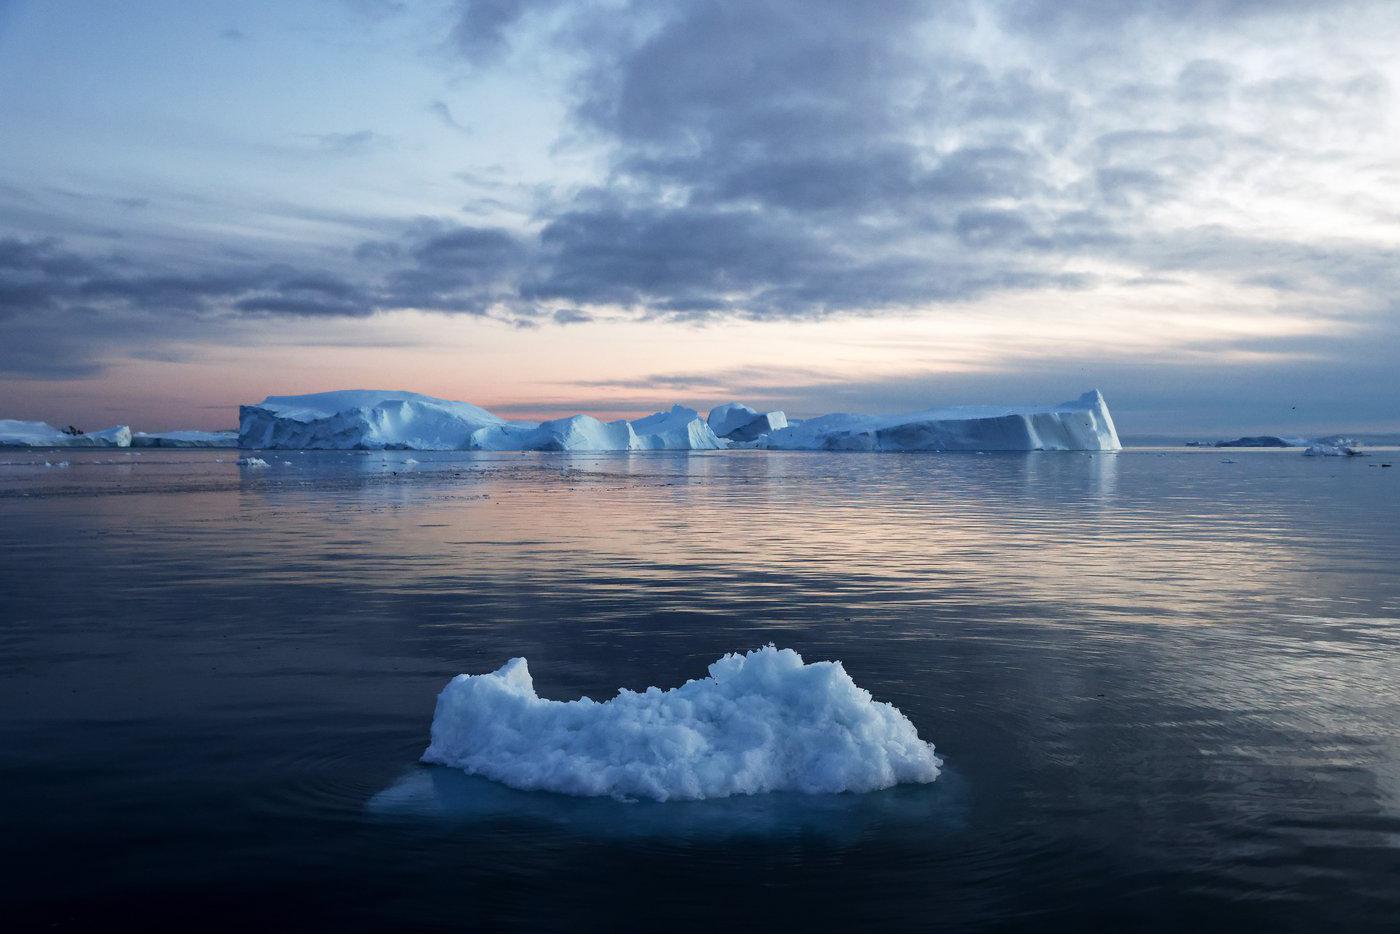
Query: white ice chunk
x=1333, y=447
x=762, y=721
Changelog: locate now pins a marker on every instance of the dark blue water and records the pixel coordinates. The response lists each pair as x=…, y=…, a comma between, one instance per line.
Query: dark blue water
x=1166, y=686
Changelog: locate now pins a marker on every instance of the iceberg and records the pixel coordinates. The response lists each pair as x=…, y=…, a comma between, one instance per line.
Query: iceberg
x=762, y=721
x=680, y=429
x=184, y=439
x=1083, y=424
x=18, y=434
x=369, y=419
x=739, y=422
x=381, y=419
x=363, y=419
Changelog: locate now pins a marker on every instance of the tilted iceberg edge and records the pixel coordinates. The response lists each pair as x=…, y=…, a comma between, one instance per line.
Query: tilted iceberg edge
x=763, y=721
x=376, y=419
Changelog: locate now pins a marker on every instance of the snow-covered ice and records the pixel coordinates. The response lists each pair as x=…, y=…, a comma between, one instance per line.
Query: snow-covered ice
x=19, y=434
x=184, y=439
x=762, y=721
x=362, y=418
x=376, y=419
x=256, y=462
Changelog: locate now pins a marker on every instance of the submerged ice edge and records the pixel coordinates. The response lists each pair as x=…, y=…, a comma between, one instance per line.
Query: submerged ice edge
x=762, y=721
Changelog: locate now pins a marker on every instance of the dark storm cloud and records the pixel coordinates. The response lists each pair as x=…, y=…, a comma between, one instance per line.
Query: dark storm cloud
x=482, y=27
x=60, y=310
x=452, y=268
x=797, y=159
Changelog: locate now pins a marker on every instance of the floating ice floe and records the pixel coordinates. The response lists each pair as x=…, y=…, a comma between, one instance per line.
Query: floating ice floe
x=251, y=462
x=19, y=434
x=761, y=722
x=375, y=419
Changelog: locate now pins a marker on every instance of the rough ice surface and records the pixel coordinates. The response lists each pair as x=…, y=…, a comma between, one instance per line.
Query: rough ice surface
x=761, y=722
x=20, y=434
x=360, y=418
x=739, y=422
x=251, y=462
x=184, y=439
x=1083, y=424
x=725, y=418
x=373, y=419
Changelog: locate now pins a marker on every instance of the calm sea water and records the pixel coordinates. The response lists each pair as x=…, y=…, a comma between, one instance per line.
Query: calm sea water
x=1166, y=685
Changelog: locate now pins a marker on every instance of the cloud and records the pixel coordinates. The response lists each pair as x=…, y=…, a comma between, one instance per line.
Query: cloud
x=62, y=313
x=345, y=144
x=444, y=114
x=800, y=159
x=482, y=28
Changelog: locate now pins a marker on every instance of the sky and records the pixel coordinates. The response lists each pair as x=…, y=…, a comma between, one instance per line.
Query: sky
x=552, y=206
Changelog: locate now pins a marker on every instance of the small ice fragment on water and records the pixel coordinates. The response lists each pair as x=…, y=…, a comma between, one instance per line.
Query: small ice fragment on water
x=1333, y=447
x=763, y=721
x=410, y=462
x=251, y=462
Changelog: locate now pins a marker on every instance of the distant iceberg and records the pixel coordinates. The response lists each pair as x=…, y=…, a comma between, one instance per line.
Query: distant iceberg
x=763, y=721
x=375, y=419
x=17, y=434
x=184, y=439
x=1334, y=446
x=1083, y=424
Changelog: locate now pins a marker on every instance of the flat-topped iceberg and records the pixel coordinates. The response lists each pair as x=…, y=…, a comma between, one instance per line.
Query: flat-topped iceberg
x=763, y=721
x=18, y=434
x=184, y=439
x=1083, y=424
x=376, y=419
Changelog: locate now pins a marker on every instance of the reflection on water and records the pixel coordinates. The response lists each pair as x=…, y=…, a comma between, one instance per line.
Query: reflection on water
x=1165, y=686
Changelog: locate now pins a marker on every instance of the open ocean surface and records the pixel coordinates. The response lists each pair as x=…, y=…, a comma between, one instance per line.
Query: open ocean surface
x=1165, y=683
